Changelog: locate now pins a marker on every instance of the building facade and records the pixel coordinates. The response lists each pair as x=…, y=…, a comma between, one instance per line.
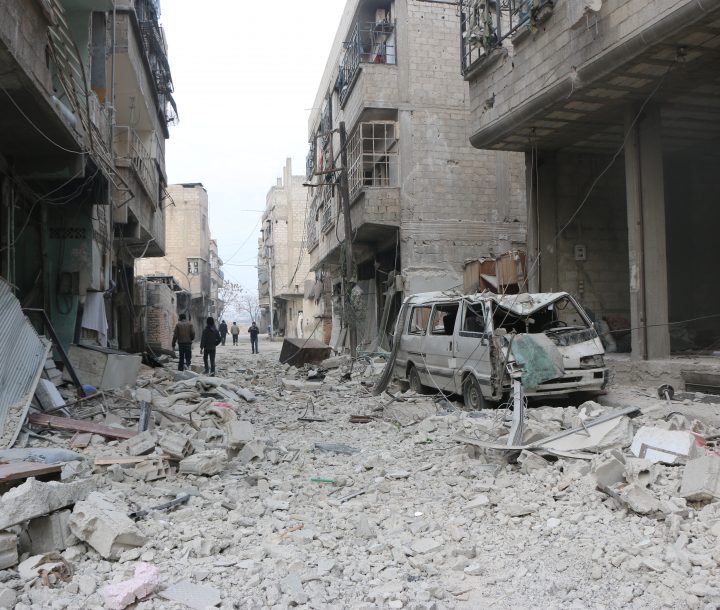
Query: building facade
x=422, y=200
x=187, y=252
x=74, y=202
x=217, y=281
x=615, y=105
x=283, y=261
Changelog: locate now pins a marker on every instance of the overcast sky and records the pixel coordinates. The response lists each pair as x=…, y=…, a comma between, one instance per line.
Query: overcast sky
x=245, y=76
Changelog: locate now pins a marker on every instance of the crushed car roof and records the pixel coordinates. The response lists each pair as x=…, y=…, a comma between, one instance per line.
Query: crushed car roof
x=521, y=304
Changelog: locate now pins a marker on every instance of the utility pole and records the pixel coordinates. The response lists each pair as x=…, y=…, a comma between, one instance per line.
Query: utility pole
x=349, y=275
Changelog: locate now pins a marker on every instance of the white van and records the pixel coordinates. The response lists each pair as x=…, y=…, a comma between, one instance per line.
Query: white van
x=473, y=344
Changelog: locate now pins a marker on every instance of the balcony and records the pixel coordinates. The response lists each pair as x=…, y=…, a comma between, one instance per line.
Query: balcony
x=131, y=152
x=486, y=25
x=369, y=43
x=373, y=156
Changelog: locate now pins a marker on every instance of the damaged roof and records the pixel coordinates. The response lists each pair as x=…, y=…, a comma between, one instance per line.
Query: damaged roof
x=521, y=304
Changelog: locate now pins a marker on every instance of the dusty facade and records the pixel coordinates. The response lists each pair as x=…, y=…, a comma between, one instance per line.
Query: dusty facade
x=615, y=108
x=187, y=252
x=284, y=261
x=422, y=199
x=81, y=191
x=217, y=280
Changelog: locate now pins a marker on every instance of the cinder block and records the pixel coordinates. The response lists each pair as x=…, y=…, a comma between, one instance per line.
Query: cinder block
x=701, y=479
x=51, y=533
x=141, y=444
x=207, y=463
x=8, y=550
x=176, y=445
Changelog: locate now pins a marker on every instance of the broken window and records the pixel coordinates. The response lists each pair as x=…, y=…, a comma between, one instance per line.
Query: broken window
x=557, y=317
x=443, y=319
x=473, y=318
x=419, y=320
x=373, y=156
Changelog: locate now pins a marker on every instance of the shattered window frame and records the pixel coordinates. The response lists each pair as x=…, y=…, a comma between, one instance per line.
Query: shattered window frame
x=478, y=309
x=437, y=328
x=413, y=327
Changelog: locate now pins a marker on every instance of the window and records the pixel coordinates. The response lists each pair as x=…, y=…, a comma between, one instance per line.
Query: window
x=419, y=320
x=443, y=319
x=193, y=266
x=473, y=318
x=373, y=156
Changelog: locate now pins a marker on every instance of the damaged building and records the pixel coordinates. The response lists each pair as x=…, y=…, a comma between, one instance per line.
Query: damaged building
x=190, y=262
x=284, y=276
x=85, y=103
x=615, y=105
x=421, y=199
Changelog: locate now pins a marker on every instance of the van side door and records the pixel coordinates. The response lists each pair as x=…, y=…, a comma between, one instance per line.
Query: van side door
x=413, y=340
x=439, y=345
x=472, y=345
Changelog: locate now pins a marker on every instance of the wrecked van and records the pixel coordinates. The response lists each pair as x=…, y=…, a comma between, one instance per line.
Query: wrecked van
x=475, y=345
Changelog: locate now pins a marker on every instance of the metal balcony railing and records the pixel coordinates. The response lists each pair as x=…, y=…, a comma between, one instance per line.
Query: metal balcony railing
x=369, y=43
x=129, y=146
x=485, y=24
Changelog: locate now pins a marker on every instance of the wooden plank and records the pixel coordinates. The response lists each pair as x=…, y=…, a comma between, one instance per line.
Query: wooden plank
x=77, y=425
x=81, y=440
x=23, y=470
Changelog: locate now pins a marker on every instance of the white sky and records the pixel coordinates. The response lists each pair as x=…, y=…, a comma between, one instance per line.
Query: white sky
x=245, y=76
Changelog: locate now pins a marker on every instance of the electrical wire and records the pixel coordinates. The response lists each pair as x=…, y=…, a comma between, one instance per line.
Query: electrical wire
x=38, y=129
x=252, y=232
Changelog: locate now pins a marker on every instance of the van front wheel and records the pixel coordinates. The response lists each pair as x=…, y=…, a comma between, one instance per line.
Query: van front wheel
x=414, y=381
x=472, y=394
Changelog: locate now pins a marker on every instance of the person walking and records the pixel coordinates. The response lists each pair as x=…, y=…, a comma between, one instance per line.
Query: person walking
x=235, y=332
x=254, y=331
x=183, y=336
x=223, y=332
x=208, y=343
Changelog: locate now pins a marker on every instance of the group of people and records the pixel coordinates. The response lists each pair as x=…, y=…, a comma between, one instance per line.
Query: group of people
x=184, y=336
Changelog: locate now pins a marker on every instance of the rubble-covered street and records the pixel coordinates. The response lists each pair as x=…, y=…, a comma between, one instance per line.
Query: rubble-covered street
x=278, y=499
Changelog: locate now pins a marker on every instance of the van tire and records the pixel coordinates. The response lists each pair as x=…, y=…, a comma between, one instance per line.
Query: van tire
x=414, y=381
x=472, y=394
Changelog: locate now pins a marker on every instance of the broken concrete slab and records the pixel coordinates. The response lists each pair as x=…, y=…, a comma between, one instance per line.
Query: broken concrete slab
x=104, y=527
x=666, y=446
x=207, y=463
x=254, y=450
x=426, y=545
x=297, y=351
x=144, y=582
x=44, y=565
x=408, y=413
x=701, y=479
x=197, y=597
x=48, y=396
x=104, y=368
x=609, y=469
x=140, y=444
x=34, y=499
x=51, y=533
x=639, y=500
x=294, y=385
x=8, y=550
x=239, y=433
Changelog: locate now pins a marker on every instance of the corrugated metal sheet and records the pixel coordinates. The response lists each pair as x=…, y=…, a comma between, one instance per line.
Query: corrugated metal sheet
x=22, y=357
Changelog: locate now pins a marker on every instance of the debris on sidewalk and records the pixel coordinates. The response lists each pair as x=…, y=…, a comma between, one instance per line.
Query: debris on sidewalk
x=143, y=583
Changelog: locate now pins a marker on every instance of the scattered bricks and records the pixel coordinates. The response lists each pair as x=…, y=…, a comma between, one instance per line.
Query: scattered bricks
x=108, y=530
x=141, y=444
x=239, y=433
x=8, y=550
x=701, y=479
x=34, y=499
x=426, y=545
x=252, y=451
x=609, y=468
x=51, y=533
x=206, y=463
x=176, y=445
x=144, y=582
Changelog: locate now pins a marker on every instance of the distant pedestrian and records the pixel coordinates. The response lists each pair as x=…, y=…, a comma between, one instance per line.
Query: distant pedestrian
x=183, y=336
x=223, y=332
x=235, y=332
x=254, y=330
x=208, y=343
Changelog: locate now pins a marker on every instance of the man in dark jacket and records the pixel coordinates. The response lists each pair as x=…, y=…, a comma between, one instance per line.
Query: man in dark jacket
x=208, y=342
x=223, y=332
x=184, y=335
x=254, y=330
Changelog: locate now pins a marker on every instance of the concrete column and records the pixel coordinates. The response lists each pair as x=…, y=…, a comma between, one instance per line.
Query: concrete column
x=542, y=198
x=646, y=235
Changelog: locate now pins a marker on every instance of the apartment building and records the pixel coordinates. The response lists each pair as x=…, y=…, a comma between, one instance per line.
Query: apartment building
x=217, y=280
x=615, y=105
x=283, y=261
x=188, y=255
x=422, y=199
x=78, y=205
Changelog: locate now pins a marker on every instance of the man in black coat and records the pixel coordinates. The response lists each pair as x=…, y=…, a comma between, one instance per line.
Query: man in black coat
x=223, y=332
x=254, y=330
x=209, y=341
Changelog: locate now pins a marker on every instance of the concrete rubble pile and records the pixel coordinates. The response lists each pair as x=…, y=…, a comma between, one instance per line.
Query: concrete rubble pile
x=270, y=486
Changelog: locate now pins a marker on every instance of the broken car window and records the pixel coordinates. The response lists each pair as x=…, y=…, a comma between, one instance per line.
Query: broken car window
x=556, y=317
x=474, y=318
x=443, y=319
x=419, y=320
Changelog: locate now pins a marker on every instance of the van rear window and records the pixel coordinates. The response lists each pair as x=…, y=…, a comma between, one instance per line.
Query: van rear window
x=419, y=317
